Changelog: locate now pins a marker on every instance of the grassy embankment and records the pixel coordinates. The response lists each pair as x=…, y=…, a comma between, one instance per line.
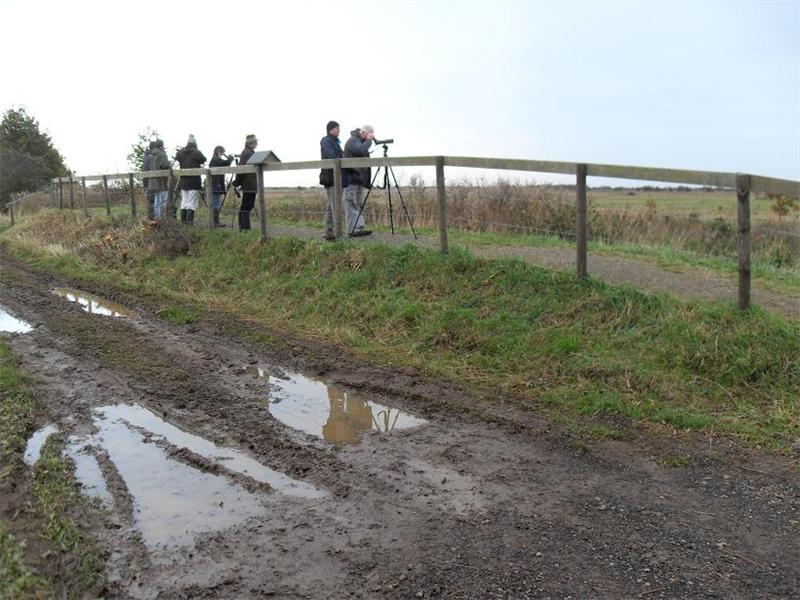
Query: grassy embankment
x=43, y=554
x=570, y=349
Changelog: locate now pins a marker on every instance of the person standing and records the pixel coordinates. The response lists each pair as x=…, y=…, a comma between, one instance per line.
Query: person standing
x=151, y=195
x=159, y=161
x=190, y=157
x=330, y=147
x=358, y=180
x=248, y=182
x=218, y=181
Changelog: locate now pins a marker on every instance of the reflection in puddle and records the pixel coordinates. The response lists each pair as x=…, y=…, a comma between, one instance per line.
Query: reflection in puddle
x=328, y=412
x=94, y=304
x=33, y=450
x=174, y=502
x=12, y=324
x=87, y=471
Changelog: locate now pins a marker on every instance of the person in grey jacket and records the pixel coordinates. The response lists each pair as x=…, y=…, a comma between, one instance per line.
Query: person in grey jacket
x=151, y=195
x=159, y=161
x=358, y=180
x=330, y=147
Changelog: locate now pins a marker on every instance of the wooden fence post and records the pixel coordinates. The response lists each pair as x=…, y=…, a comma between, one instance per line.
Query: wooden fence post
x=133, y=194
x=106, y=196
x=71, y=192
x=262, y=203
x=338, y=220
x=60, y=193
x=581, y=228
x=441, y=196
x=745, y=237
x=170, y=208
x=52, y=203
x=11, y=212
x=83, y=197
x=210, y=199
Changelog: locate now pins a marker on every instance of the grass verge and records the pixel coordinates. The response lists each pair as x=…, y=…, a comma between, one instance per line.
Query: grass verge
x=570, y=348
x=72, y=567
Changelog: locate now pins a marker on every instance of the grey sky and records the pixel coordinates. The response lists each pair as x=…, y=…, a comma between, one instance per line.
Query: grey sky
x=680, y=84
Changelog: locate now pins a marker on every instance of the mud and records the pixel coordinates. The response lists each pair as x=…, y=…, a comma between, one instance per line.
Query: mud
x=484, y=500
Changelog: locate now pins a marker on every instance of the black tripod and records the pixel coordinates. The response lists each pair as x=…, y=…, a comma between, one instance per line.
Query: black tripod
x=386, y=186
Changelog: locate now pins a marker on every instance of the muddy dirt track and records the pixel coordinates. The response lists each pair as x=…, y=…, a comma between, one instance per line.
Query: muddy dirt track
x=484, y=500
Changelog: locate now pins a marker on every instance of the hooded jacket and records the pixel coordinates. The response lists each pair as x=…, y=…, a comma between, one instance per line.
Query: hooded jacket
x=358, y=148
x=190, y=158
x=146, y=166
x=330, y=147
x=159, y=161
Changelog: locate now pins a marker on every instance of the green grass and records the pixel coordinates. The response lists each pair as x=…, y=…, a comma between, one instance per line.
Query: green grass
x=568, y=347
x=178, y=315
x=54, y=497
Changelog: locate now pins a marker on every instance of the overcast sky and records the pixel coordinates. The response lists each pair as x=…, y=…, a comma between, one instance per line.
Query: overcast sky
x=712, y=85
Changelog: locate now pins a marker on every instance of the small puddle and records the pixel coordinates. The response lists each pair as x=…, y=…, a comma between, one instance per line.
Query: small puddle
x=328, y=412
x=94, y=305
x=87, y=471
x=33, y=449
x=12, y=324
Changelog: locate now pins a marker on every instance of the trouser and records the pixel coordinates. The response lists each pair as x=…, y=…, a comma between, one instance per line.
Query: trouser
x=248, y=202
x=159, y=203
x=190, y=199
x=329, y=212
x=151, y=204
x=353, y=201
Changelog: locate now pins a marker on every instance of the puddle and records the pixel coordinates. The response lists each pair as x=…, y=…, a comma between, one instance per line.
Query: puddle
x=328, y=412
x=174, y=502
x=33, y=450
x=94, y=305
x=12, y=324
x=87, y=471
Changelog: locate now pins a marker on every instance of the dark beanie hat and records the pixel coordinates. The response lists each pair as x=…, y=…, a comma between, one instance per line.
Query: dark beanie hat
x=331, y=125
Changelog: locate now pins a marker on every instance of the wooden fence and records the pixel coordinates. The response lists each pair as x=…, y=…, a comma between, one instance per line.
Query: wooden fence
x=744, y=184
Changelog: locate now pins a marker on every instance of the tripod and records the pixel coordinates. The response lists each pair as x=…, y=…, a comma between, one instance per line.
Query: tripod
x=387, y=170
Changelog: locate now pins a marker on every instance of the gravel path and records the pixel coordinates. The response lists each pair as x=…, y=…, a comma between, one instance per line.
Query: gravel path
x=687, y=284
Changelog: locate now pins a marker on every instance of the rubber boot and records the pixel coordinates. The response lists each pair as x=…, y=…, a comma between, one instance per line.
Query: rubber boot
x=183, y=215
x=190, y=216
x=216, y=219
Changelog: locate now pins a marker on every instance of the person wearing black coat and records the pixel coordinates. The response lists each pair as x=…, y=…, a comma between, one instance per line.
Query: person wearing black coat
x=330, y=147
x=248, y=182
x=190, y=157
x=151, y=193
x=218, y=181
x=358, y=180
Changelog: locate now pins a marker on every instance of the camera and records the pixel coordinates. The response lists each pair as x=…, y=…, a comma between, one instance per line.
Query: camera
x=386, y=141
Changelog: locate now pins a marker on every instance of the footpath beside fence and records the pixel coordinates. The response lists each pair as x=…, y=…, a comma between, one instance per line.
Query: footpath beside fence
x=744, y=184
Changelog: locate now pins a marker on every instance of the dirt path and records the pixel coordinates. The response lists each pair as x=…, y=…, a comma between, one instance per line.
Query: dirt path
x=483, y=501
x=688, y=284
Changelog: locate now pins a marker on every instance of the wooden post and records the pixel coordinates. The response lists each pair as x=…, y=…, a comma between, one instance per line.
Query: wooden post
x=71, y=192
x=338, y=217
x=170, y=209
x=262, y=203
x=581, y=228
x=105, y=194
x=11, y=212
x=441, y=196
x=210, y=199
x=52, y=203
x=745, y=237
x=60, y=193
x=84, y=202
x=133, y=194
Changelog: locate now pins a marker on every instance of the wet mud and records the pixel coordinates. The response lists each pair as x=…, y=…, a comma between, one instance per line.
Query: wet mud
x=307, y=474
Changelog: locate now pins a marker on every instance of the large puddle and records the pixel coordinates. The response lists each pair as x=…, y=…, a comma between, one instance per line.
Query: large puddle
x=173, y=502
x=11, y=324
x=328, y=412
x=94, y=304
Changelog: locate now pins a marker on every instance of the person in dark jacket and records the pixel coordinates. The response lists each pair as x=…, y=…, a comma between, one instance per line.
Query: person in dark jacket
x=358, y=180
x=248, y=182
x=190, y=157
x=220, y=159
x=330, y=147
x=159, y=161
x=151, y=194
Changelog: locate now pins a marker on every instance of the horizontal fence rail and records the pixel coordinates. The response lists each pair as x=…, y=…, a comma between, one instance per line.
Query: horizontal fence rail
x=743, y=184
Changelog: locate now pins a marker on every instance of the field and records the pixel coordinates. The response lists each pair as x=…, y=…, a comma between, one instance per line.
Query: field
x=303, y=419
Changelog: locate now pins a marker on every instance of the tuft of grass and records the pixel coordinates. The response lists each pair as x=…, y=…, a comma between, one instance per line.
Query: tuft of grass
x=179, y=316
x=573, y=347
x=674, y=461
x=17, y=582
